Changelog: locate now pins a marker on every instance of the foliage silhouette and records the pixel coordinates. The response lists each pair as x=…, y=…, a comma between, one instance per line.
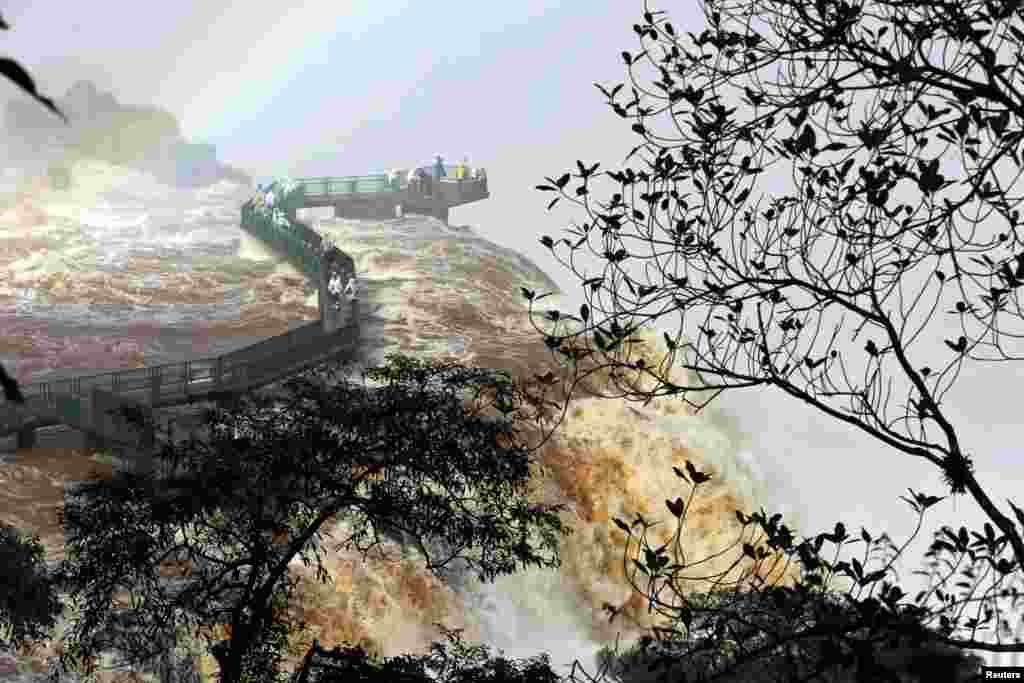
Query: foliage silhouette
x=939, y=79
x=454, y=662
x=28, y=603
x=775, y=632
x=418, y=457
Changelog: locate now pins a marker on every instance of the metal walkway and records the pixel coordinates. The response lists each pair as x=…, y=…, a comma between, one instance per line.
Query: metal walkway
x=84, y=402
x=89, y=403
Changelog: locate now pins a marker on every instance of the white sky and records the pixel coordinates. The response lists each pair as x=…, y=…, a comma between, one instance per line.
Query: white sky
x=337, y=88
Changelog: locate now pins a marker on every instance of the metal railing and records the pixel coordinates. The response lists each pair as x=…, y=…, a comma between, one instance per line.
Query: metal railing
x=370, y=184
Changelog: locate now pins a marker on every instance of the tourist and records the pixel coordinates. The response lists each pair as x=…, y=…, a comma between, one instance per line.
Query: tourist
x=352, y=289
x=413, y=179
x=424, y=180
x=460, y=170
x=438, y=168
x=334, y=287
x=270, y=199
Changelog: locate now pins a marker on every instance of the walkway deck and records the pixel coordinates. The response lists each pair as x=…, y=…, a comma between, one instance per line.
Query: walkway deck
x=373, y=196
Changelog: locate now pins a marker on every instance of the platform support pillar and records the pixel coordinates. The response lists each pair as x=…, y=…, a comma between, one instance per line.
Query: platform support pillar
x=27, y=437
x=441, y=212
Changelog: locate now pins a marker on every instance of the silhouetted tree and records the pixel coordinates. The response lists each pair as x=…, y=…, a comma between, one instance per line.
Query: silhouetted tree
x=760, y=280
x=14, y=72
x=750, y=629
x=454, y=662
x=418, y=457
x=28, y=601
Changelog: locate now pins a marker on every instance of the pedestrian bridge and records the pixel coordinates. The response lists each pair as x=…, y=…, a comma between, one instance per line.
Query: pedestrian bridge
x=90, y=403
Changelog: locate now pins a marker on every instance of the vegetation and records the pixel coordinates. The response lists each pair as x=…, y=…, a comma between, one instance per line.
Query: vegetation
x=408, y=460
x=28, y=603
x=750, y=630
x=776, y=81
x=454, y=662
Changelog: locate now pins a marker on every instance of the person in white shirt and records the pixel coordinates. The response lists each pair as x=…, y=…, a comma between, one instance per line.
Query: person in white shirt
x=270, y=199
x=334, y=287
x=352, y=289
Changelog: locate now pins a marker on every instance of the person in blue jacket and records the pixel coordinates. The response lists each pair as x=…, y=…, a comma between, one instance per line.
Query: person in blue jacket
x=438, y=173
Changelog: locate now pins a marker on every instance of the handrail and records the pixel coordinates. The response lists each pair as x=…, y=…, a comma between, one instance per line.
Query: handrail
x=318, y=187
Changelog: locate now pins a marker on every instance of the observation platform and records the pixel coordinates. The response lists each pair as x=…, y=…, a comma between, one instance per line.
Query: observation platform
x=372, y=196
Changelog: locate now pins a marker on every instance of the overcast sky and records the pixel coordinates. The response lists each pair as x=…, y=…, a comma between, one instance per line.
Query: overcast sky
x=309, y=88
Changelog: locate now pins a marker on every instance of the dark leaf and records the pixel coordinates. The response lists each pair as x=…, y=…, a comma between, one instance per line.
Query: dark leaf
x=698, y=477
x=12, y=392
x=14, y=72
x=959, y=346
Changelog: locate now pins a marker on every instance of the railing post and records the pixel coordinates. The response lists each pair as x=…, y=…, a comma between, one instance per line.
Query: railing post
x=155, y=378
x=26, y=437
x=97, y=410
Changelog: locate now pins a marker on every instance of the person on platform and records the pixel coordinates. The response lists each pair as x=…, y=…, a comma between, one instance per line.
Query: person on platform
x=352, y=289
x=270, y=199
x=438, y=168
x=424, y=178
x=460, y=170
x=334, y=287
x=413, y=179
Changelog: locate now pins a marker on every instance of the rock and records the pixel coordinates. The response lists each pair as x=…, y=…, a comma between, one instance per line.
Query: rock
x=146, y=138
